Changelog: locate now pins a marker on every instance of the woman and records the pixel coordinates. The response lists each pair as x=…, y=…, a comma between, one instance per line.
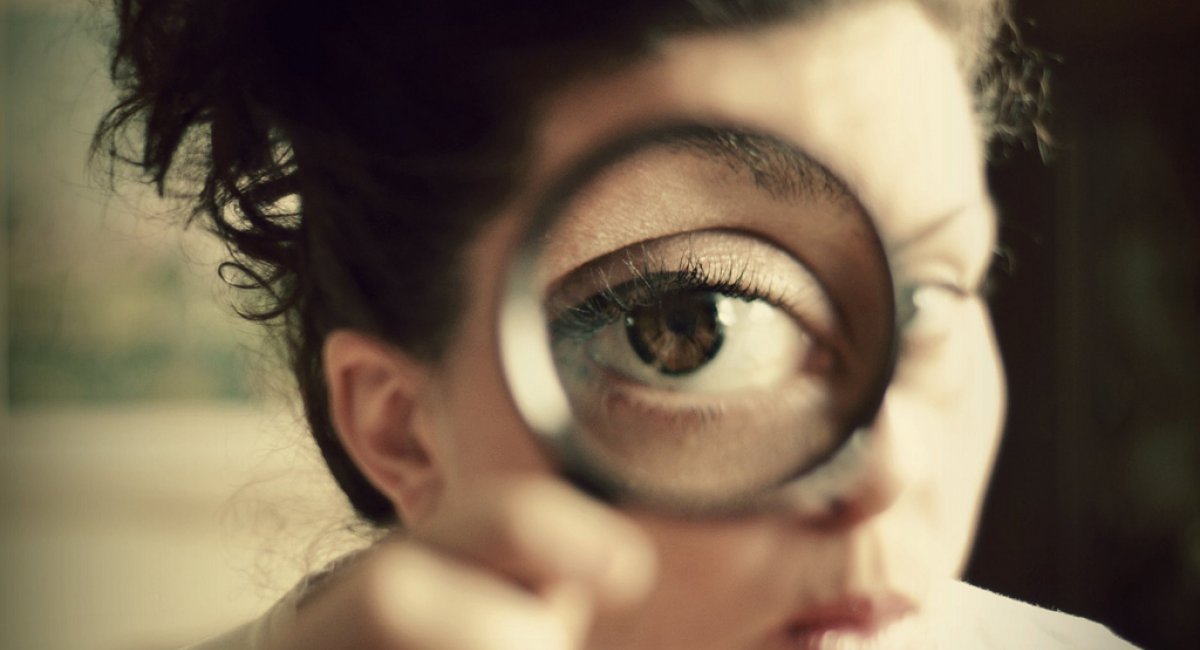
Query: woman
x=421, y=141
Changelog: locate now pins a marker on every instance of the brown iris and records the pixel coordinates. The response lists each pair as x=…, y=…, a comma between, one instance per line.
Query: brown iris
x=678, y=332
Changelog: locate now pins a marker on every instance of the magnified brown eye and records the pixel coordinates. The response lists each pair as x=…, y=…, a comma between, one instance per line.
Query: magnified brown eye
x=678, y=333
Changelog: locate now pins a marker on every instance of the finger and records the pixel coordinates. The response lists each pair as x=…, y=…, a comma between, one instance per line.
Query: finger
x=574, y=606
x=541, y=533
x=403, y=596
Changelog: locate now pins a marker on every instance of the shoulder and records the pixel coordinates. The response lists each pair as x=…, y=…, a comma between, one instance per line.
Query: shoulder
x=258, y=633
x=255, y=635
x=978, y=618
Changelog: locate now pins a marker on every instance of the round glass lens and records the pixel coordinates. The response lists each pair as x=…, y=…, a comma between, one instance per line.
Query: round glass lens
x=697, y=316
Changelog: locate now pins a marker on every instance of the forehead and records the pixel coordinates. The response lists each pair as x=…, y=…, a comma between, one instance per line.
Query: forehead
x=871, y=91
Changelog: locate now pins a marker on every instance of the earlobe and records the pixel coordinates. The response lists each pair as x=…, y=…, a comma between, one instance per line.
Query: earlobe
x=378, y=402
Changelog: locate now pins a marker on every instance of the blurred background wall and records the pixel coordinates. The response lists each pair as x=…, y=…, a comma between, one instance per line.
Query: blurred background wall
x=155, y=485
x=152, y=490
x=1095, y=506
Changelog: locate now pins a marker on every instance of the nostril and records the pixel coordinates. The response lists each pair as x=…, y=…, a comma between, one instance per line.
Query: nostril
x=837, y=507
x=838, y=514
x=875, y=491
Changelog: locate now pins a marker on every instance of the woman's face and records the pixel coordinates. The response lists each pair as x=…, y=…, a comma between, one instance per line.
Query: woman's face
x=871, y=92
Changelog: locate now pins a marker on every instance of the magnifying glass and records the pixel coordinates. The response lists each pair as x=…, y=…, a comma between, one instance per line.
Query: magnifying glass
x=698, y=319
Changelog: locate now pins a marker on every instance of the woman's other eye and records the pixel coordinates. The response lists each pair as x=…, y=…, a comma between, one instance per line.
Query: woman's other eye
x=929, y=313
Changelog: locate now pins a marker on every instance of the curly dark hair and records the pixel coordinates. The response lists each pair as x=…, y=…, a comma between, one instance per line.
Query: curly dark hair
x=346, y=154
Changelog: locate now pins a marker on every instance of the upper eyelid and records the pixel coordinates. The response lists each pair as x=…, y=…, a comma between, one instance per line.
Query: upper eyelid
x=733, y=176
x=941, y=254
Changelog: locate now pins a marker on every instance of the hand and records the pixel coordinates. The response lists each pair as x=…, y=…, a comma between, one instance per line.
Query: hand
x=525, y=567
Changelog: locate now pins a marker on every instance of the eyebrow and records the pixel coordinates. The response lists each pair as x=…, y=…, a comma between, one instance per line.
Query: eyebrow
x=779, y=168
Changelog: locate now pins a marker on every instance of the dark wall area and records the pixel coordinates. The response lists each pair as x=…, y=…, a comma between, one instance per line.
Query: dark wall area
x=1095, y=507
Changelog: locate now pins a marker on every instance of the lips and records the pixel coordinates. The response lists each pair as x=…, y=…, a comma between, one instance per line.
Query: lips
x=853, y=623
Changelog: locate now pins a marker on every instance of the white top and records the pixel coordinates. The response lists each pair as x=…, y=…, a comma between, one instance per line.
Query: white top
x=976, y=618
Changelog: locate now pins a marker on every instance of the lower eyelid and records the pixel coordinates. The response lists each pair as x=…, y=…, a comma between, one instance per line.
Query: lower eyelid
x=709, y=413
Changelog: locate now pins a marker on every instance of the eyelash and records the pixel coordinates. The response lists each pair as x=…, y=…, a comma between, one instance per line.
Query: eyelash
x=646, y=286
x=1002, y=269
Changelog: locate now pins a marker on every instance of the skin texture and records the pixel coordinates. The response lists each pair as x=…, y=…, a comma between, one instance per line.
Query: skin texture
x=496, y=543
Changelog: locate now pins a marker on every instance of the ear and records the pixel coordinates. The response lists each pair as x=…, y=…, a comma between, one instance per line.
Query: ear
x=378, y=400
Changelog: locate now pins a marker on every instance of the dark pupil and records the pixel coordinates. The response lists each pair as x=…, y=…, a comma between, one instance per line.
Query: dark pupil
x=678, y=333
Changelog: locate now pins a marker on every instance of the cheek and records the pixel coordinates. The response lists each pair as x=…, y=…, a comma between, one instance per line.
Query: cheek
x=945, y=412
x=980, y=419
x=479, y=433
x=482, y=435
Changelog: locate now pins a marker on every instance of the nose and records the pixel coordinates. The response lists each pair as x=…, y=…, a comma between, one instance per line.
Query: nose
x=872, y=494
